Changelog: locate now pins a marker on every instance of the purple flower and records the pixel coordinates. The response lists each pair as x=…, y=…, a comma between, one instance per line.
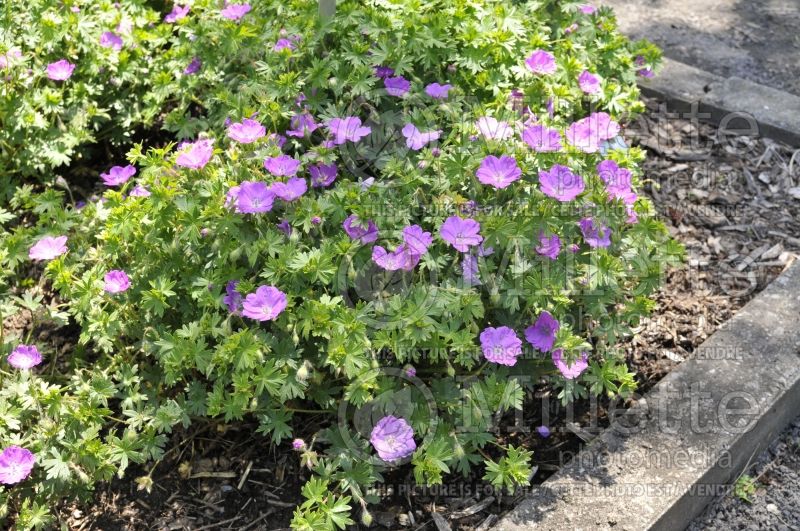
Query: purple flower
x=417, y=240
x=290, y=190
x=302, y=124
x=48, y=248
x=322, y=175
x=437, y=91
x=498, y=172
x=393, y=438
x=235, y=11
x=411, y=371
x=541, y=62
x=571, y=28
x=400, y=258
x=383, y=72
x=233, y=299
x=617, y=181
x=587, y=134
x=416, y=139
x=116, y=281
x=491, y=129
x=253, y=197
x=177, y=13
x=570, y=372
x=542, y=333
x=109, y=39
x=193, y=67
x=24, y=357
x=283, y=44
x=246, y=132
x=589, y=82
x=282, y=165
x=265, y=304
x=316, y=220
x=469, y=269
x=543, y=431
x=8, y=57
x=195, y=155
x=560, y=183
x=593, y=235
x=284, y=227
x=633, y=217
x=61, y=70
x=358, y=230
x=396, y=86
x=461, y=233
x=549, y=246
x=348, y=128
x=118, y=175
x=501, y=345
x=587, y=9
x=16, y=464
x=139, y=191
x=298, y=444
x=542, y=139
x=645, y=71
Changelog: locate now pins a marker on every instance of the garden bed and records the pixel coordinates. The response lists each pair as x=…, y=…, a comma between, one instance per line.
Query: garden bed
x=728, y=204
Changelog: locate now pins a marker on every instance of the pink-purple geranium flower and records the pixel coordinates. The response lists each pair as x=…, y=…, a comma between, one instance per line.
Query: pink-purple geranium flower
x=282, y=165
x=383, y=72
x=416, y=139
x=298, y=444
x=193, y=67
x=140, y=191
x=7, y=58
x=393, y=438
x=348, y=128
x=265, y=304
x=617, y=181
x=253, y=197
x=233, y=299
x=417, y=239
x=48, y=248
x=437, y=91
x=541, y=62
x=195, y=155
x=118, y=175
x=589, y=83
x=60, y=70
x=549, y=246
x=247, y=131
x=24, y=357
x=570, y=372
x=235, y=11
x=290, y=190
x=396, y=86
x=498, y=172
x=116, y=281
x=595, y=234
x=109, y=39
x=644, y=71
x=501, y=345
x=461, y=233
x=302, y=124
x=406, y=256
x=16, y=464
x=587, y=134
x=542, y=138
x=542, y=333
x=322, y=175
x=359, y=230
x=492, y=129
x=178, y=13
x=560, y=183
x=283, y=44
x=587, y=9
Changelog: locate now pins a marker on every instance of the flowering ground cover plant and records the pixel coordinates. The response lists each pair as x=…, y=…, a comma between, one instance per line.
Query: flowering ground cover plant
x=401, y=218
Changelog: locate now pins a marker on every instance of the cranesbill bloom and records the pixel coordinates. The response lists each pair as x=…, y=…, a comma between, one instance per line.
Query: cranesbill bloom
x=461, y=233
x=589, y=82
x=195, y=155
x=644, y=71
x=501, y=345
x=247, y=131
x=400, y=258
x=594, y=235
x=543, y=431
x=118, y=175
x=8, y=57
x=282, y=165
x=560, y=183
x=416, y=139
x=397, y=86
x=193, y=67
x=542, y=333
x=302, y=124
x=16, y=464
x=298, y=444
x=587, y=134
x=541, y=62
x=177, y=13
x=437, y=91
x=284, y=227
x=283, y=44
x=61, y=70
x=417, y=240
x=570, y=372
x=498, y=172
x=233, y=299
x=24, y=357
x=491, y=129
x=290, y=190
x=322, y=175
x=542, y=139
x=109, y=39
x=617, y=181
x=235, y=11
x=48, y=248
x=140, y=191
x=393, y=438
x=347, y=128
x=358, y=230
x=253, y=197
x=587, y=9
x=549, y=246
x=265, y=304
x=116, y=281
